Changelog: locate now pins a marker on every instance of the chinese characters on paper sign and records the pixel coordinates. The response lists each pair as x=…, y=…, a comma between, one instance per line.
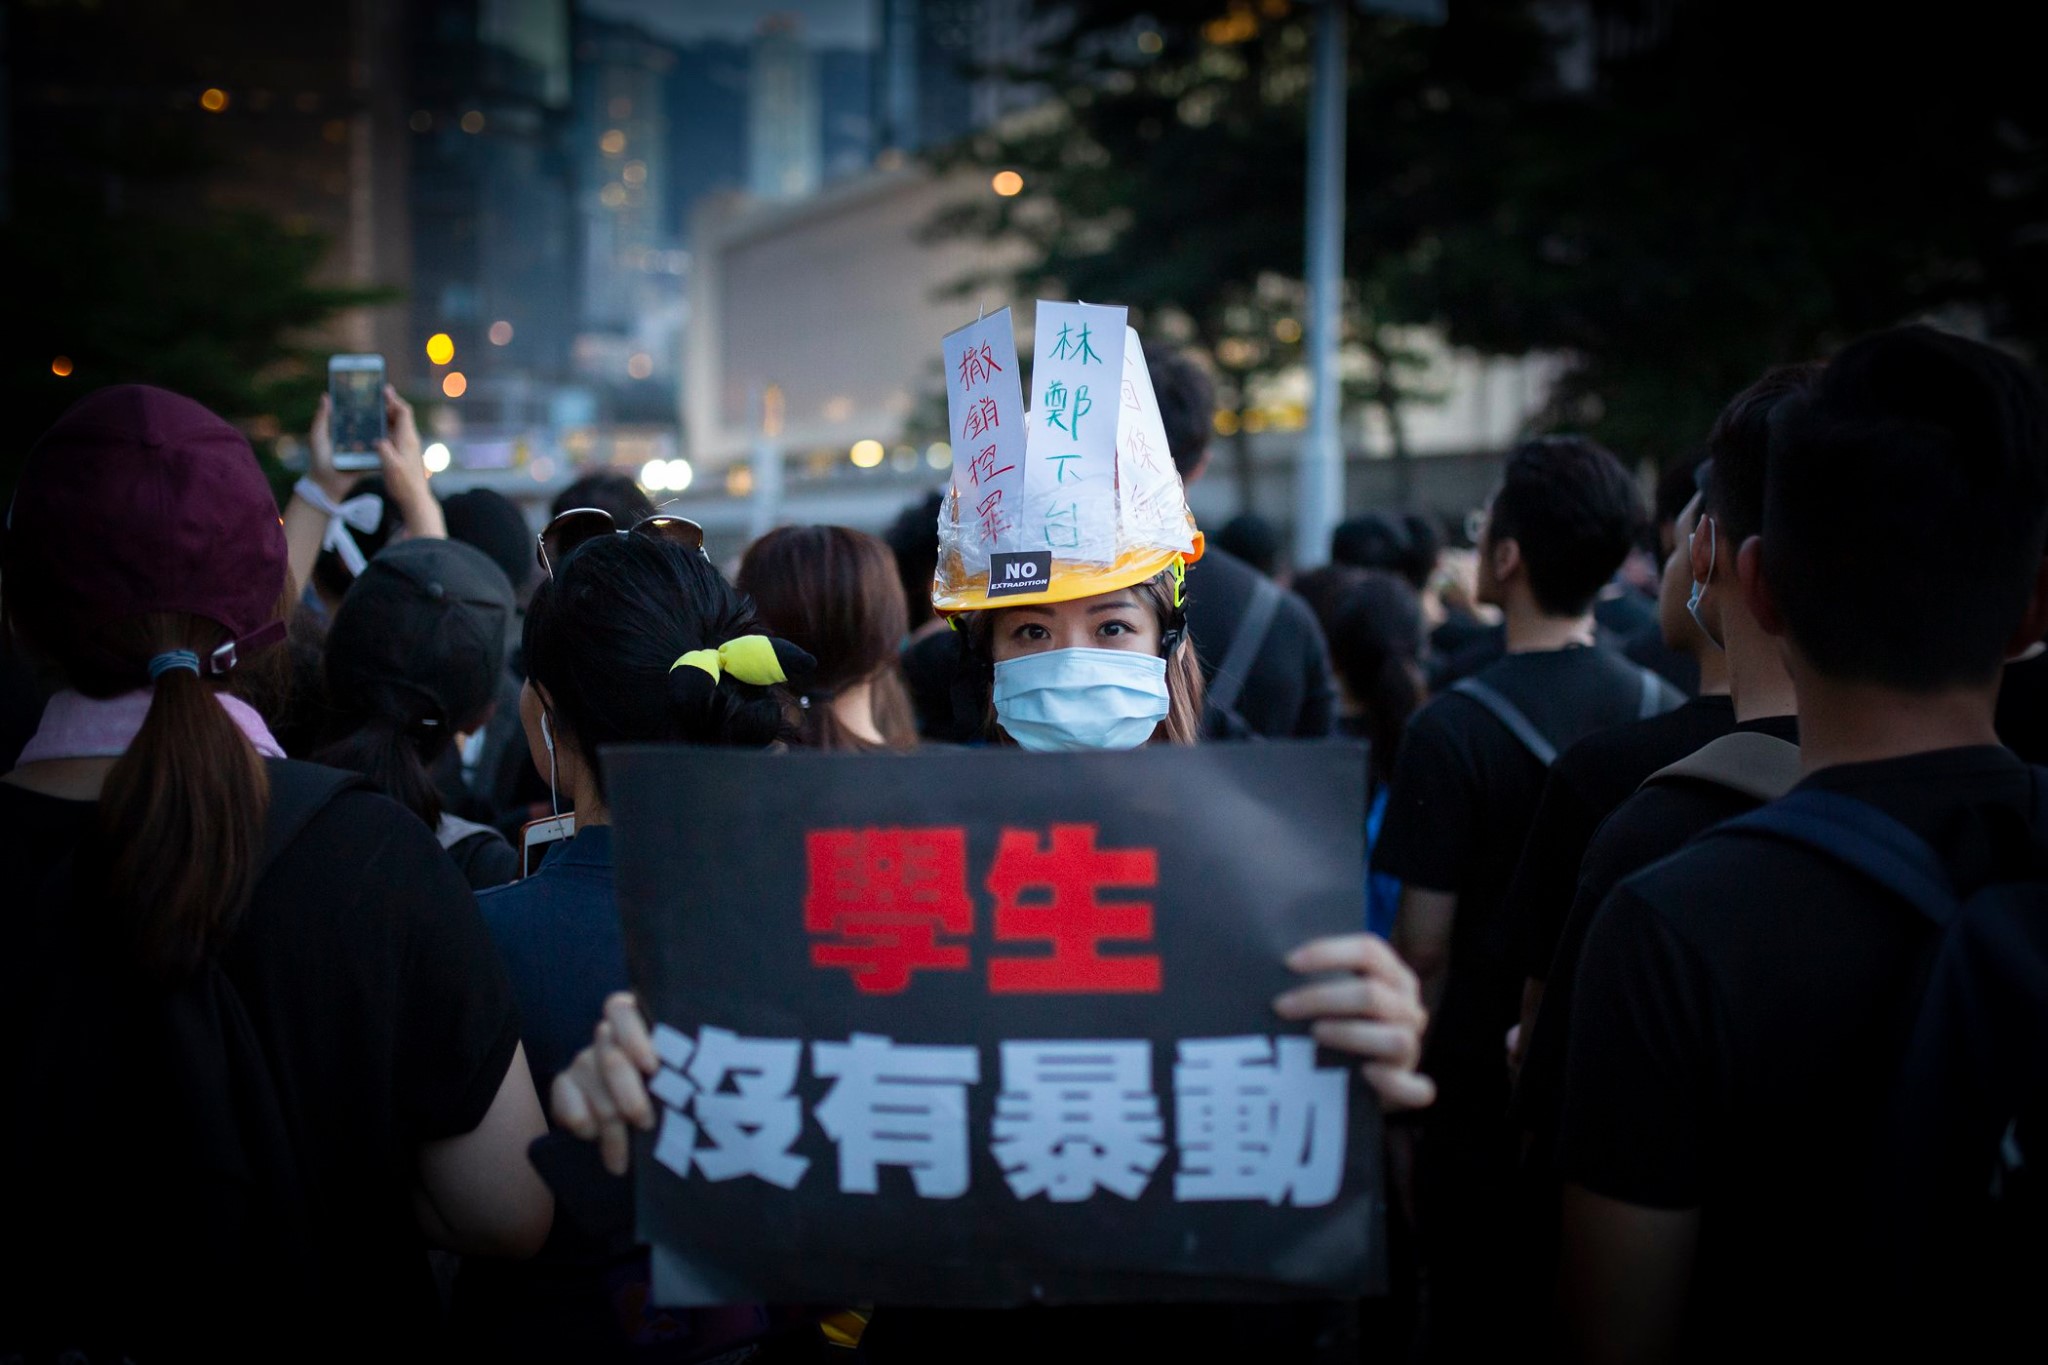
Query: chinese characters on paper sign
x=1255, y=1118
x=985, y=406
x=1070, y=465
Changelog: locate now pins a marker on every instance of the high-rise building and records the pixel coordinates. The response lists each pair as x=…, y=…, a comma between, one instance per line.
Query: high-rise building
x=846, y=106
x=784, y=127
x=630, y=337
x=493, y=232
x=937, y=68
x=622, y=163
x=707, y=126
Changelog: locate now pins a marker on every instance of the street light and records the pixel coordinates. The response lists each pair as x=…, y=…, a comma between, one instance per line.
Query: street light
x=440, y=348
x=1008, y=184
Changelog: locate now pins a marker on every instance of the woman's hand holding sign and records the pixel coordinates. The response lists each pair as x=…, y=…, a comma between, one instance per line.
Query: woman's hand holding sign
x=605, y=1088
x=1372, y=1011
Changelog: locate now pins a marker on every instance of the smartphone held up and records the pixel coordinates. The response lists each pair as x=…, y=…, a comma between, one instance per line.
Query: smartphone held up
x=355, y=386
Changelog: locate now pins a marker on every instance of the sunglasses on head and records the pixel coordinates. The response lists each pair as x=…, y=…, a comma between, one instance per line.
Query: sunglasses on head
x=565, y=533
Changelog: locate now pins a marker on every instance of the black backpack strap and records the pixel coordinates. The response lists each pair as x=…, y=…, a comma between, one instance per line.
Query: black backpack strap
x=1252, y=629
x=1862, y=838
x=1749, y=763
x=1510, y=716
x=298, y=792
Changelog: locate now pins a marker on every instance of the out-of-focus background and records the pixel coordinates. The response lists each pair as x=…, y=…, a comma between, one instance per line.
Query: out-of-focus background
x=715, y=242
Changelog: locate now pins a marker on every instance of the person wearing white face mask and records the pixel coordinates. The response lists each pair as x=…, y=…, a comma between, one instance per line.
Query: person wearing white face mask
x=1112, y=671
x=1081, y=648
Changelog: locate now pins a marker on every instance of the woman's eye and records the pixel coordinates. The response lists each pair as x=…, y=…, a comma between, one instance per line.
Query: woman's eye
x=1115, y=628
x=1031, y=632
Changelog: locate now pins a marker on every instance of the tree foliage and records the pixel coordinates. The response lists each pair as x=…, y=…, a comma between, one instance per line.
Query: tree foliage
x=1671, y=196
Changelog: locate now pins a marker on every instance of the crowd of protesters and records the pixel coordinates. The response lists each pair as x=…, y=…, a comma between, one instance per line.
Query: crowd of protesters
x=315, y=906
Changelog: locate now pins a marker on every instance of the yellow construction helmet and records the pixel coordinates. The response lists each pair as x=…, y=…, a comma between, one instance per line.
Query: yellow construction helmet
x=1081, y=500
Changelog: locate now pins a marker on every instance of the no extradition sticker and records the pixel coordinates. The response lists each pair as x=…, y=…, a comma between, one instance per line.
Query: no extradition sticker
x=1019, y=572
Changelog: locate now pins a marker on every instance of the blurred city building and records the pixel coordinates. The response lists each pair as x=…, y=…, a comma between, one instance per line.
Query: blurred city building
x=785, y=135
x=493, y=230
x=938, y=65
x=628, y=343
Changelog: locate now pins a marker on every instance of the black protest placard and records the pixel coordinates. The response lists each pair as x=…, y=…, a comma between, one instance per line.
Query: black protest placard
x=988, y=1027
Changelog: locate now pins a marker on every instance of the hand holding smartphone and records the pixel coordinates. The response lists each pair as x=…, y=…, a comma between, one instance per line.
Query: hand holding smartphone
x=355, y=388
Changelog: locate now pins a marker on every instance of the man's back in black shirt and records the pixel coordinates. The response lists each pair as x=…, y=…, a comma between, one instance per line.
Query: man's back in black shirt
x=1288, y=693
x=1585, y=785
x=1653, y=823
x=1464, y=792
x=1739, y=1016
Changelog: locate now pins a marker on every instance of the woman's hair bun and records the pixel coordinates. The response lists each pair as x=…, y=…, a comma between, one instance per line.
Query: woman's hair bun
x=690, y=693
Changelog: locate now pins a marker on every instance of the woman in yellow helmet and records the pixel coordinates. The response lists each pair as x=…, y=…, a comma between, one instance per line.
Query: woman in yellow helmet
x=1080, y=650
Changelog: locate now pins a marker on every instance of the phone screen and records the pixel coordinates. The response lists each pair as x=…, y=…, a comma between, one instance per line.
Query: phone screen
x=356, y=385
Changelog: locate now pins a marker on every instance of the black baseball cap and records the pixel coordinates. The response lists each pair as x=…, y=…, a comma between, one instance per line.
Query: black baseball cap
x=425, y=626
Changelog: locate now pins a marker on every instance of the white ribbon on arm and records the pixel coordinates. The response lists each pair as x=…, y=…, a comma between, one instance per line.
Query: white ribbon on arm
x=365, y=512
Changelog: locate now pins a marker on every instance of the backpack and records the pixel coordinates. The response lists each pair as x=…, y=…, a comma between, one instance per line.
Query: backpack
x=1759, y=766
x=159, y=1180
x=1496, y=704
x=1959, y=1217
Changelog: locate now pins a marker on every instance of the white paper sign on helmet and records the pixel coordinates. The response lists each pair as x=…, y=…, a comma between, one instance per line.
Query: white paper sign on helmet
x=1070, y=474
x=985, y=409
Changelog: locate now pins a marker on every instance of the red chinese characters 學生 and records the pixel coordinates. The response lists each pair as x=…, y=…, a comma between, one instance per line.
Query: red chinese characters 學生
x=887, y=895
x=1051, y=890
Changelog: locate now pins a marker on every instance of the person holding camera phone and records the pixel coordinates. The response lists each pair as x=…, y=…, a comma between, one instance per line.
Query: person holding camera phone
x=331, y=508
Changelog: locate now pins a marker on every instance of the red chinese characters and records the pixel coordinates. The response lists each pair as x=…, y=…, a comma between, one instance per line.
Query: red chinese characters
x=1052, y=891
x=888, y=894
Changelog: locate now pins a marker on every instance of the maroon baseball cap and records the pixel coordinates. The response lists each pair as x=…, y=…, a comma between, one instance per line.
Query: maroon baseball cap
x=137, y=501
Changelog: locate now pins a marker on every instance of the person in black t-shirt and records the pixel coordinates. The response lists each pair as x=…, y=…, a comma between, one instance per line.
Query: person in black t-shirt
x=1464, y=789
x=1738, y=1008
x=1743, y=682
x=259, y=1047
x=1600, y=772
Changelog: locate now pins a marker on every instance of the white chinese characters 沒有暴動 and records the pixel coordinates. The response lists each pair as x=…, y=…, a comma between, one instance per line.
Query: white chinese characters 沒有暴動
x=1255, y=1118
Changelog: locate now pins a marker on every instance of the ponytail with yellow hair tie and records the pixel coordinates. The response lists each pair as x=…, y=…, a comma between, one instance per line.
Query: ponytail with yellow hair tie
x=760, y=660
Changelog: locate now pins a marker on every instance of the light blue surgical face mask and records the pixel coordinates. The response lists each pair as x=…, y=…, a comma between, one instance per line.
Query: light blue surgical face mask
x=1699, y=586
x=1073, y=699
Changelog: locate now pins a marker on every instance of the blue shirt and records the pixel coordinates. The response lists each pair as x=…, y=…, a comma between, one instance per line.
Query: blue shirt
x=558, y=932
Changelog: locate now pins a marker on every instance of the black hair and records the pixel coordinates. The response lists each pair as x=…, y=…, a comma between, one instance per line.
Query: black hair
x=914, y=539
x=1906, y=509
x=493, y=523
x=1573, y=510
x=1187, y=407
x=602, y=637
x=330, y=574
x=392, y=747
x=1370, y=540
x=1425, y=548
x=1325, y=587
x=1737, y=448
x=607, y=490
x=1253, y=539
x=1376, y=649
x=1676, y=486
